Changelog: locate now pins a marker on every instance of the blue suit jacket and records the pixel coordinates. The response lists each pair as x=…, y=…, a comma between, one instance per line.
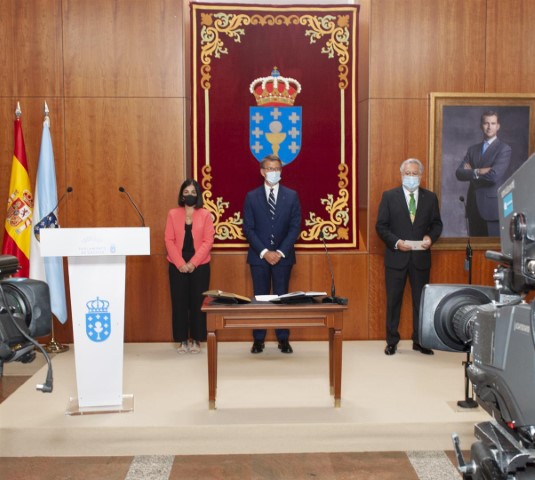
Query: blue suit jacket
x=257, y=224
x=483, y=191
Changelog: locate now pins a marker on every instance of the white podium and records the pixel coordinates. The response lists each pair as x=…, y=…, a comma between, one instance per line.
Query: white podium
x=97, y=270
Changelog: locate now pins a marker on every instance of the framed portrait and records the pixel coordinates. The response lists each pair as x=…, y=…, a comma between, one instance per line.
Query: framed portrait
x=455, y=130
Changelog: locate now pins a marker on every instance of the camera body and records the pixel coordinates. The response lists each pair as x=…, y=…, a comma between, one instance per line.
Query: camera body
x=497, y=326
x=25, y=313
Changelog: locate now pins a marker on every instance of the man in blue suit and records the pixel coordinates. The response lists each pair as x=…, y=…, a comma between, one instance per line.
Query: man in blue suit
x=271, y=223
x=408, y=222
x=486, y=167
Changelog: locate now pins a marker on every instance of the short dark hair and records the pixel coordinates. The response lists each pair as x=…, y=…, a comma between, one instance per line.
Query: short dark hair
x=270, y=158
x=490, y=113
x=187, y=183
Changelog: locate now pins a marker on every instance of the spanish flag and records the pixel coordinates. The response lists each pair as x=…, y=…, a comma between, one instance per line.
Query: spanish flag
x=18, y=226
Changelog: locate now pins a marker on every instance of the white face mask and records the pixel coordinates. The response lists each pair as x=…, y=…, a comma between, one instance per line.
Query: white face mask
x=411, y=183
x=273, y=177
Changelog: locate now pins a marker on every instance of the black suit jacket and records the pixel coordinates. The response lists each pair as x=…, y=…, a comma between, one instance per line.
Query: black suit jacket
x=394, y=223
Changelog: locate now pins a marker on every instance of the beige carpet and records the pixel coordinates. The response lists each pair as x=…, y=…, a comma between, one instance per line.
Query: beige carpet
x=267, y=403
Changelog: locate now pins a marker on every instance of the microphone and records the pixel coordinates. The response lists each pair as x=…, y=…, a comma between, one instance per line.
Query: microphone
x=123, y=190
x=333, y=298
x=68, y=190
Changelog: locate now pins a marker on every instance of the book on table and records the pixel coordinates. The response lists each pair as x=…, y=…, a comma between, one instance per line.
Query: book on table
x=220, y=296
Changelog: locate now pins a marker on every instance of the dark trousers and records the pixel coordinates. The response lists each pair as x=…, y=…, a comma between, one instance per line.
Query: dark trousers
x=395, y=285
x=479, y=227
x=266, y=279
x=186, y=300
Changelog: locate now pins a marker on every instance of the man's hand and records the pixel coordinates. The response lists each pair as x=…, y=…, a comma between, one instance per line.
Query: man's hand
x=403, y=246
x=482, y=171
x=427, y=242
x=467, y=166
x=272, y=257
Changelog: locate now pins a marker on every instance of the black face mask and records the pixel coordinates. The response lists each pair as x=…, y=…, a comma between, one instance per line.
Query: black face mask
x=190, y=200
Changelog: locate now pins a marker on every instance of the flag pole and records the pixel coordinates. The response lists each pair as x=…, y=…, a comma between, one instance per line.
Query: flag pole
x=53, y=346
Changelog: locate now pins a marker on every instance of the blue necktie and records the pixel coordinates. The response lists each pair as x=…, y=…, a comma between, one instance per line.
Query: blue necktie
x=484, y=148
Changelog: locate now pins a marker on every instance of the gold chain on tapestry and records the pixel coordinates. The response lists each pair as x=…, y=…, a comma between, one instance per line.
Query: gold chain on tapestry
x=214, y=28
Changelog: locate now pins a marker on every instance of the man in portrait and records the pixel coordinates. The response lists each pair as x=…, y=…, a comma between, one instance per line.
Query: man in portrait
x=485, y=166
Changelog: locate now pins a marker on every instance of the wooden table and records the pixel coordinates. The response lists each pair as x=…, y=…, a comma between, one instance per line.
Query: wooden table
x=271, y=316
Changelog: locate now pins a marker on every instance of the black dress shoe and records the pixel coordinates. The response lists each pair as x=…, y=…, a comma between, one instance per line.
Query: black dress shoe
x=390, y=349
x=285, y=347
x=258, y=347
x=419, y=348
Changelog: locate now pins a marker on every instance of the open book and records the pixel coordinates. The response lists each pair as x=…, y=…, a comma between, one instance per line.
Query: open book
x=226, y=297
x=292, y=297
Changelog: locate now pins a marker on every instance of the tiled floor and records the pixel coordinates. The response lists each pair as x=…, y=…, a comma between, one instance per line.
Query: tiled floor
x=324, y=466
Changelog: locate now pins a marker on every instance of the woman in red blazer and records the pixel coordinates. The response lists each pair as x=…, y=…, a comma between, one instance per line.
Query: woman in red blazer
x=189, y=236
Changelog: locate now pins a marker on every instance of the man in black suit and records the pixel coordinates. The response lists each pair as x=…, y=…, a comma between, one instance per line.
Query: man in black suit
x=486, y=167
x=408, y=222
x=271, y=223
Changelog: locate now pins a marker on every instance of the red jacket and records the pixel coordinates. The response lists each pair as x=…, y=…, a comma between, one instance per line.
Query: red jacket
x=202, y=231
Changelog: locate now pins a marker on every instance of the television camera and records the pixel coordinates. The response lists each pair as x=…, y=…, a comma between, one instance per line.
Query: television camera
x=497, y=326
x=25, y=313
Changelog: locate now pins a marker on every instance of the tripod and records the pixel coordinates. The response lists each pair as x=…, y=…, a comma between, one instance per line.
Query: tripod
x=468, y=401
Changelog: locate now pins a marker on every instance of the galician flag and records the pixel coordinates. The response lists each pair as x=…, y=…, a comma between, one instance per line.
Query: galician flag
x=18, y=225
x=45, y=215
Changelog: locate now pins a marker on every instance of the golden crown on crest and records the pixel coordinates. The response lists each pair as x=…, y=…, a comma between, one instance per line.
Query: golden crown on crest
x=275, y=89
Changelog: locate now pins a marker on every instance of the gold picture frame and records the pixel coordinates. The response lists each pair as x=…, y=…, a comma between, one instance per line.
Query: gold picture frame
x=455, y=126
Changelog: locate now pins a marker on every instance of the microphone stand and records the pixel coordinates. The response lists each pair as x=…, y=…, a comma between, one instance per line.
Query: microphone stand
x=333, y=298
x=123, y=190
x=468, y=401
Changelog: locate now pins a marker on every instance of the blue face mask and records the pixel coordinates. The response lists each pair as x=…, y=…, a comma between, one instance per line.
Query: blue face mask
x=411, y=183
x=273, y=177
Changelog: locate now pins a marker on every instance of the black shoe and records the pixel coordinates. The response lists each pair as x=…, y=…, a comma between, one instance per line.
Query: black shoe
x=258, y=347
x=390, y=349
x=285, y=347
x=419, y=348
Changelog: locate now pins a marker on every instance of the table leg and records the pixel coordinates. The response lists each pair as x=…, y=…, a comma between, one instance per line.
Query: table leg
x=331, y=361
x=337, y=367
x=212, y=369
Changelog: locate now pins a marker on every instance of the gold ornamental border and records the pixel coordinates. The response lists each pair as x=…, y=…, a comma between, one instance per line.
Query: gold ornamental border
x=214, y=28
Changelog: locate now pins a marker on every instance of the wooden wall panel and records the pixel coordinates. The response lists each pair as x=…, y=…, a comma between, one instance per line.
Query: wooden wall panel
x=38, y=53
x=135, y=143
x=7, y=55
x=510, y=46
x=123, y=48
x=422, y=46
x=398, y=130
x=364, y=49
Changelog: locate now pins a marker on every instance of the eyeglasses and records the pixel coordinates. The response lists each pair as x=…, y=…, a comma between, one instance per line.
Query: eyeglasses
x=272, y=169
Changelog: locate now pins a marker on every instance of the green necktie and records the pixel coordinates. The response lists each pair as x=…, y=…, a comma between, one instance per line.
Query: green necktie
x=412, y=206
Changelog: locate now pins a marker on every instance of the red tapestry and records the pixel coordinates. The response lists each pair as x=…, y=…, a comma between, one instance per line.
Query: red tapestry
x=277, y=80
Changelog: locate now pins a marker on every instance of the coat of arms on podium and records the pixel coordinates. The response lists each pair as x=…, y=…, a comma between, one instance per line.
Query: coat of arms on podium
x=98, y=320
